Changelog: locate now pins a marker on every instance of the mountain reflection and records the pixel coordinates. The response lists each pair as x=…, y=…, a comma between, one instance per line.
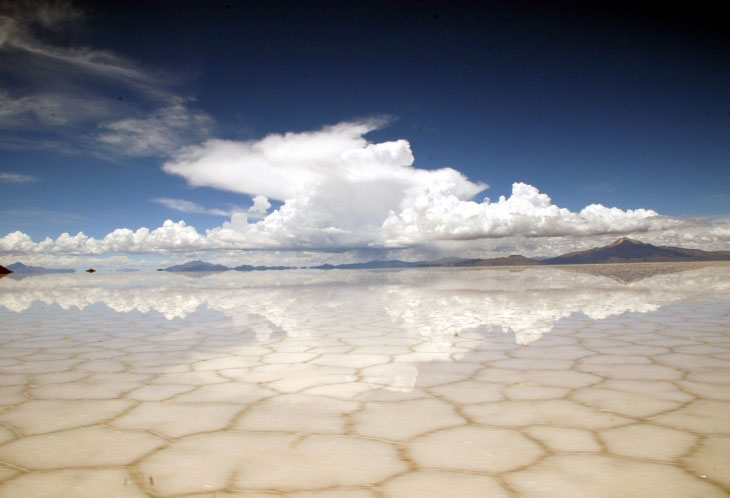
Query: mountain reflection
x=437, y=303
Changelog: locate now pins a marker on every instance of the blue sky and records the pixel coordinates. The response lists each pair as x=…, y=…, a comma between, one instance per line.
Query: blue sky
x=623, y=107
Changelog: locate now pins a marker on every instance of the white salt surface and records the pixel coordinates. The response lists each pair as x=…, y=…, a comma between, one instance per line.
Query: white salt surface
x=437, y=382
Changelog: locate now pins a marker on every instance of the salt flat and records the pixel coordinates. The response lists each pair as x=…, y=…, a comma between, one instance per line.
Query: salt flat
x=434, y=382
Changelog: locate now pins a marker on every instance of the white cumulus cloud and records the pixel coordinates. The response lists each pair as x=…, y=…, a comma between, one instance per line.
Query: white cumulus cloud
x=260, y=204
x=438, y=214
x=339, y=191
x=293, y=165
x=170, y=237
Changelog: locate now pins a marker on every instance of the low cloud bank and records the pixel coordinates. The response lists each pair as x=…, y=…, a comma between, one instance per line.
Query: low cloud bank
x=338, y=191
x=438, y=215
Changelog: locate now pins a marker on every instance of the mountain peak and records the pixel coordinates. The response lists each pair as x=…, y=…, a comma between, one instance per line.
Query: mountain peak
x=626, y=240
x=21, y=268
x=197, y=265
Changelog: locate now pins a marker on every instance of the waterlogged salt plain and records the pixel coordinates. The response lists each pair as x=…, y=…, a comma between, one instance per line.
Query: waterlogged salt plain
x=436, y=382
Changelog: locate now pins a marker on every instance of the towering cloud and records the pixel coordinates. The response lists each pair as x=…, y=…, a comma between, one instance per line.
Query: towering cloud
x=339, y=191
x=296, y=165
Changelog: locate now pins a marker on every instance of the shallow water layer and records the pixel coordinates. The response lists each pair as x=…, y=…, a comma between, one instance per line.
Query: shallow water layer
x=435, y=382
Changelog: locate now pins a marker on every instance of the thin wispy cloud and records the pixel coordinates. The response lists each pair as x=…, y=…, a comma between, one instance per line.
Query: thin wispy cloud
x=257, y=210
x=17, y=178
x=185, y=206
x=160, y=133
x=71, y=92
x=21, y=24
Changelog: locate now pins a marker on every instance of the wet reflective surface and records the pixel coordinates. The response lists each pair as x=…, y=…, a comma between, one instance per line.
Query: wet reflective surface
x=436, y=382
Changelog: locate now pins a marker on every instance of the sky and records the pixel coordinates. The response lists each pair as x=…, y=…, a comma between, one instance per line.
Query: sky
x=138, y=134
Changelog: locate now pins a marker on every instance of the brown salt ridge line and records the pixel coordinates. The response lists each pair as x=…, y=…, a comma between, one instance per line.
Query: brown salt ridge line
x=274, y=492
x=17, y=434
x=687, y=468
x=14, y=467
x=111, y=467
x=102, y=423
x=300, y=438
x=544, y=456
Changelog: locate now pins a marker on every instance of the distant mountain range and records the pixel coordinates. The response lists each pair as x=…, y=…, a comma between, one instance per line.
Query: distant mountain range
x=25, y=269
x=624, y=250
x=197, y=266
x=391, y=263
x=513, y=260
x=261, y=268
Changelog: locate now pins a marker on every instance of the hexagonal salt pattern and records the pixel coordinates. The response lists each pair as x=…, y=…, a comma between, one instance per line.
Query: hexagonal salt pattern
x=437, y=382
